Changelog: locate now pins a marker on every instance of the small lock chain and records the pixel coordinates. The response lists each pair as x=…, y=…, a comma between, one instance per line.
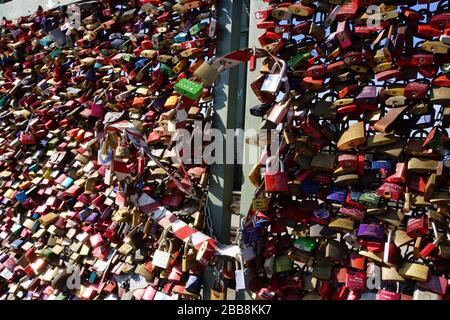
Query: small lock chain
x=208, y=221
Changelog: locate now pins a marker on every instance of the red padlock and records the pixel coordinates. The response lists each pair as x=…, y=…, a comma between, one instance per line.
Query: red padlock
x=275, y=181
x=417, y=227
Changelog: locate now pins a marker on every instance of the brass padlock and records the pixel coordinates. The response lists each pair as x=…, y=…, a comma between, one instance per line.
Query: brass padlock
x=218, y=290
x=352, y=137
x=189, y=257
x=207, y=74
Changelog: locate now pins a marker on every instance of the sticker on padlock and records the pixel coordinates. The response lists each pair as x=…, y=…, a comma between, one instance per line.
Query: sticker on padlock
x=273, y=81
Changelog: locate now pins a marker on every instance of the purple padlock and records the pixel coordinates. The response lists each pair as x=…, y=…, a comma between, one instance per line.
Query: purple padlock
x=106, y=214
x=371, y=232
x=92, y=217
x=367, y=95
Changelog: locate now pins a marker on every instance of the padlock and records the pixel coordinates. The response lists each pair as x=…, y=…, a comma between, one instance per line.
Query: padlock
x=207, y=74
x=218, y=290
x=205, y=253
x=352, y=137
x=188, y=88
x=161, y=257
x=390, y=191
x=272, y=82
x=355, y=280
x=250, y=234
x=189, y=257
x=275, y=181
x=371, y=232
x=430, y=247
x=260, y=204
x=414, y=271
x=282, y=263
x=417, y=226
x=336, y=252
x=391, y=253
x=384, y=294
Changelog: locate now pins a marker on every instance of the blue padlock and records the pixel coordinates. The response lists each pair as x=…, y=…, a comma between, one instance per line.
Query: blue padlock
x=250, y=234
x=21, y=196
x=381, y=164
x=308, y=186
x=181, y=37
x=34, y=167
x=337, y=196
x=83, y=214
x=354, y=195
x=16, y=244
x=92, y=277
x=141, y=63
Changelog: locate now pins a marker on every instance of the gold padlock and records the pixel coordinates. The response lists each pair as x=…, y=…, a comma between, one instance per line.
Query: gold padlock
x=207, y=74
x=382, y=55
x=352, y=137
x=260, y=204
x=435, y=47
x=218, y=290
x=382, y=67
x=188, y=260
x=440, y=95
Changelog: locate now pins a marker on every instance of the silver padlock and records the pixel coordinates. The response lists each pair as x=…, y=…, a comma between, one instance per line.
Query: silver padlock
x=161, y=258
x=445, y=39
x=269, y=266
x=425, y=295
x=352, y=239
x=273, y=80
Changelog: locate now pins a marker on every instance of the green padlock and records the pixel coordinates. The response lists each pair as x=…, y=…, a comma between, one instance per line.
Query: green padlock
x=4, y=100
x=369, y=199
x=446, y=69
x=45, y=252
x=55, y=53
x=322, y=269
x=305, y=244
x=195, y=29
x=16, y=228
x=283, y=263
x=52, y=143
x=61, y=296
x=166, y=69
x=188, y=88
x=127, y=57
x=296, y=59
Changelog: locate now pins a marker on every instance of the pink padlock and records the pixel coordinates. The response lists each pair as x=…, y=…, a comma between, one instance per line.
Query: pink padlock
x=96, y=240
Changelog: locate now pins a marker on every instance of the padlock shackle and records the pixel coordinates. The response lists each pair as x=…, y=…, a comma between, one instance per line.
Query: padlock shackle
x=164, y=243
x=268, y=164
x=187, y=245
